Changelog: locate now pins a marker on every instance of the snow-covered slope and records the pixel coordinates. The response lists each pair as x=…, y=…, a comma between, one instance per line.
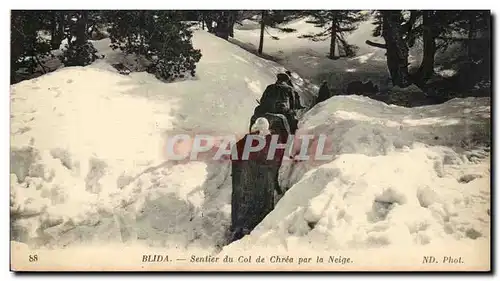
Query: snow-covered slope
x=88, y=149
x=88, y=164
x=401, y=178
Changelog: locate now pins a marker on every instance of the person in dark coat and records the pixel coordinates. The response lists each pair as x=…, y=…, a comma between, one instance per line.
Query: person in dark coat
x=324, y=92
x=280, y=93
x=254, y=181
x=279, y=98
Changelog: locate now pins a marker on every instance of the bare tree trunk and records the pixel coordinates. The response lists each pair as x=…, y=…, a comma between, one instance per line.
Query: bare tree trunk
x=57, y=29
x=207, y=19
x=53, y=30
x=333, y=38
x=222, y=28
x=142, y=23
x=262, y=28
x=61, y=25
x=397, y=50
x=471, y=35
x=81, y=26
x=426, y=68
x=231, y=22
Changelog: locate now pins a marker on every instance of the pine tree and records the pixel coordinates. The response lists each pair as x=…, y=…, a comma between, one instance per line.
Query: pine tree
x=273, y=18
x=28, y=47
x=36, y=33
x=262, y=29
x=224, y=22
x=336, y=24
x=159, y=36
x=397, y=47
x=437, y=29
x=56, y=27
x=78, y=52
x=471, y=30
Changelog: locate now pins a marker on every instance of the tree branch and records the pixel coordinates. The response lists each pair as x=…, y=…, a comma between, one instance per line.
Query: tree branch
x=377, y=45
x=35, y=57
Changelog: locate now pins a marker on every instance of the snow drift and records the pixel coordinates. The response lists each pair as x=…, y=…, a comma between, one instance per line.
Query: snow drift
x=87, y=164
x=402, y=177
x=87, y=149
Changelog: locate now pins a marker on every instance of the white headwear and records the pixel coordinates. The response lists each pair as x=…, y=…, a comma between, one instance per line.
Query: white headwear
x=261, y=125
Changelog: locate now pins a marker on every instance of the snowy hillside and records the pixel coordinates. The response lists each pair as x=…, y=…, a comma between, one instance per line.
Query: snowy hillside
x=88, y=164
x=88, y=149
x=402, y=178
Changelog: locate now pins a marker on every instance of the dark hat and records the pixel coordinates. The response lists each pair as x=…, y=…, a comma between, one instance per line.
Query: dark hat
x=282, y=77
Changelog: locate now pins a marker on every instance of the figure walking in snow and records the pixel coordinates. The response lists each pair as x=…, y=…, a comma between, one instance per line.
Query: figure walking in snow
x=278, y=98
x=324, y=92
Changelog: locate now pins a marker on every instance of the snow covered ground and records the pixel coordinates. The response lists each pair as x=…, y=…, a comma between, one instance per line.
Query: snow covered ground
x=309, y=59
x=401, y=178
x=88, y=166
x=87, y=149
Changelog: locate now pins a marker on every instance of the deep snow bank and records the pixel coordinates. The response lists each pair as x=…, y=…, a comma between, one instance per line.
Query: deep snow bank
x=87, y=159
x=402, y=177
x=87, y=163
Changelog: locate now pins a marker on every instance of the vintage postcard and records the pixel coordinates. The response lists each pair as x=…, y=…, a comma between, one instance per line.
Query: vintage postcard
x=250, y=140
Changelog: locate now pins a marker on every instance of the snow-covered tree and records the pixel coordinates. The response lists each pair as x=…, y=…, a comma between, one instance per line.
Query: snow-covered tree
x=159, y=36
x=28, y=46
x=78, y=52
